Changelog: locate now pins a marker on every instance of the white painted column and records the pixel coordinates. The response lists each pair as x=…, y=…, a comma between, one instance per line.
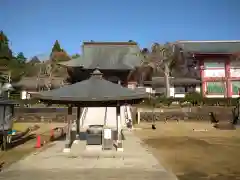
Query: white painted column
x=1, y=84
x=149, y=90
x=138, y=117
x=172, y=91
x=119, y=130
x=68, y=133
x=132, y=85
x=23, y=94
x=198, y=89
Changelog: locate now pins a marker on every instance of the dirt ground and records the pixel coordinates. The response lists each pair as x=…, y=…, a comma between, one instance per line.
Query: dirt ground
x=27, y=146
x=194, y=154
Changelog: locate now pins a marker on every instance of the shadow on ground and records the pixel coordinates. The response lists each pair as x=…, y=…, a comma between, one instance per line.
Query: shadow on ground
x=21, y=140
x=83, y=136
x=59, y=138
x=194, y=175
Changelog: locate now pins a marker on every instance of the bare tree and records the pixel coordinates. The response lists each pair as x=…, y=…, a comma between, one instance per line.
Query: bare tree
x=138, y=73
x=48, y=81
x=165, y=60
x=161, y=59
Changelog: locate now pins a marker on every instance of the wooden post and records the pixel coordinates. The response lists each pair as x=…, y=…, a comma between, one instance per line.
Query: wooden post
x=73, y=126
x=78, y=119
x=119, y=130
x=68, y=133
x=9, y=81
x=138, y=117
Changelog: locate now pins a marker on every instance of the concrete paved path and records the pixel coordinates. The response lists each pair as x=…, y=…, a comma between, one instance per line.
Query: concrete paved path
x=136, y=162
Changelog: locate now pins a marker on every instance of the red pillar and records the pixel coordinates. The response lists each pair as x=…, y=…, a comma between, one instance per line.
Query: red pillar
x=228, y=78
x=201, y=66
x=38, y=142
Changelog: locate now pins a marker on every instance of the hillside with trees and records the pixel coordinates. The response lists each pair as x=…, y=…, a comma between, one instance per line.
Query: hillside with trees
x=9, y=62
x=17, y=66
x=159, y=60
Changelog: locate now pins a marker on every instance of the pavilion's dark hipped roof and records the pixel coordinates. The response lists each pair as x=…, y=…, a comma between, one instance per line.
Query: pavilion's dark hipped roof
x=92, y=90
x=221, y=47
x=108, y=56
x=6, y=102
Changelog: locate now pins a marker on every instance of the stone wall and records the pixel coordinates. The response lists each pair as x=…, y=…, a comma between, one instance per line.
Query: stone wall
x=42, y=114
x=196, y=114
x=60, y=114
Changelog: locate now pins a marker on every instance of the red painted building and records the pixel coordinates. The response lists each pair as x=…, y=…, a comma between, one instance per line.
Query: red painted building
x=216, y=63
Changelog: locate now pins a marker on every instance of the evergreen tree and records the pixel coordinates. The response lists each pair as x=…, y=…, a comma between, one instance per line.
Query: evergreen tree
x=8, y=61
x=21, y=58
x=3, y=38
x=5, y=51
x=56, y=47
x=58, y=54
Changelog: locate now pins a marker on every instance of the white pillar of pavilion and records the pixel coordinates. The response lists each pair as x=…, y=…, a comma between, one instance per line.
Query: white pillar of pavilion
x=68, y=131
x=119, y=126
x=119, y=129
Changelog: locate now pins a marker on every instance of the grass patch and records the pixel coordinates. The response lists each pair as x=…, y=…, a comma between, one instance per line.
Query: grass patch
x=212, y=154
x=20, y=126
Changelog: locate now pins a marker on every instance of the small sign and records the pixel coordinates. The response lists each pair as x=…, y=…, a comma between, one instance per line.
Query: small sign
x=107, y=133
x=149, y=90
x=74, y=127
x=214, y=73
x=24, y=94
x=235, y=72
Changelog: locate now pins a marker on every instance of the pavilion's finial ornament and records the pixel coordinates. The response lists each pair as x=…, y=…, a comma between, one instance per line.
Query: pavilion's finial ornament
x=97, y=73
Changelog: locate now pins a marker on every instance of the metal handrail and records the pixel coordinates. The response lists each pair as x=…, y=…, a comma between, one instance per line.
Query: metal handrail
x=105, y=118
x=83, y=116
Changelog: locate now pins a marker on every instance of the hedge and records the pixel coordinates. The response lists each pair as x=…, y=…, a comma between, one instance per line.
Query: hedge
x=194, y=99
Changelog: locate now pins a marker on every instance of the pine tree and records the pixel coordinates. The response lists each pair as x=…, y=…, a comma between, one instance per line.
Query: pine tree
x=3, y=38
x=5, y=51
x=56, y=47
x=8, y=61
x=21, y=58
x=58, y=54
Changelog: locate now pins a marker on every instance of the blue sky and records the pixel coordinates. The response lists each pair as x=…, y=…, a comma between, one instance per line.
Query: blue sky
x=33, y=25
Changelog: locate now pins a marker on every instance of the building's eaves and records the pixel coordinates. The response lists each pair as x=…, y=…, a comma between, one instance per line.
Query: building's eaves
x=216, y=41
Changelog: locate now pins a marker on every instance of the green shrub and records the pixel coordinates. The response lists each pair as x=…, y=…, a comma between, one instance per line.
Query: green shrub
x=194, y=98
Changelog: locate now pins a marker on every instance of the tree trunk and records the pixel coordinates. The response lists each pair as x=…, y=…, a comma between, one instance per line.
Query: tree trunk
x=167, y=80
